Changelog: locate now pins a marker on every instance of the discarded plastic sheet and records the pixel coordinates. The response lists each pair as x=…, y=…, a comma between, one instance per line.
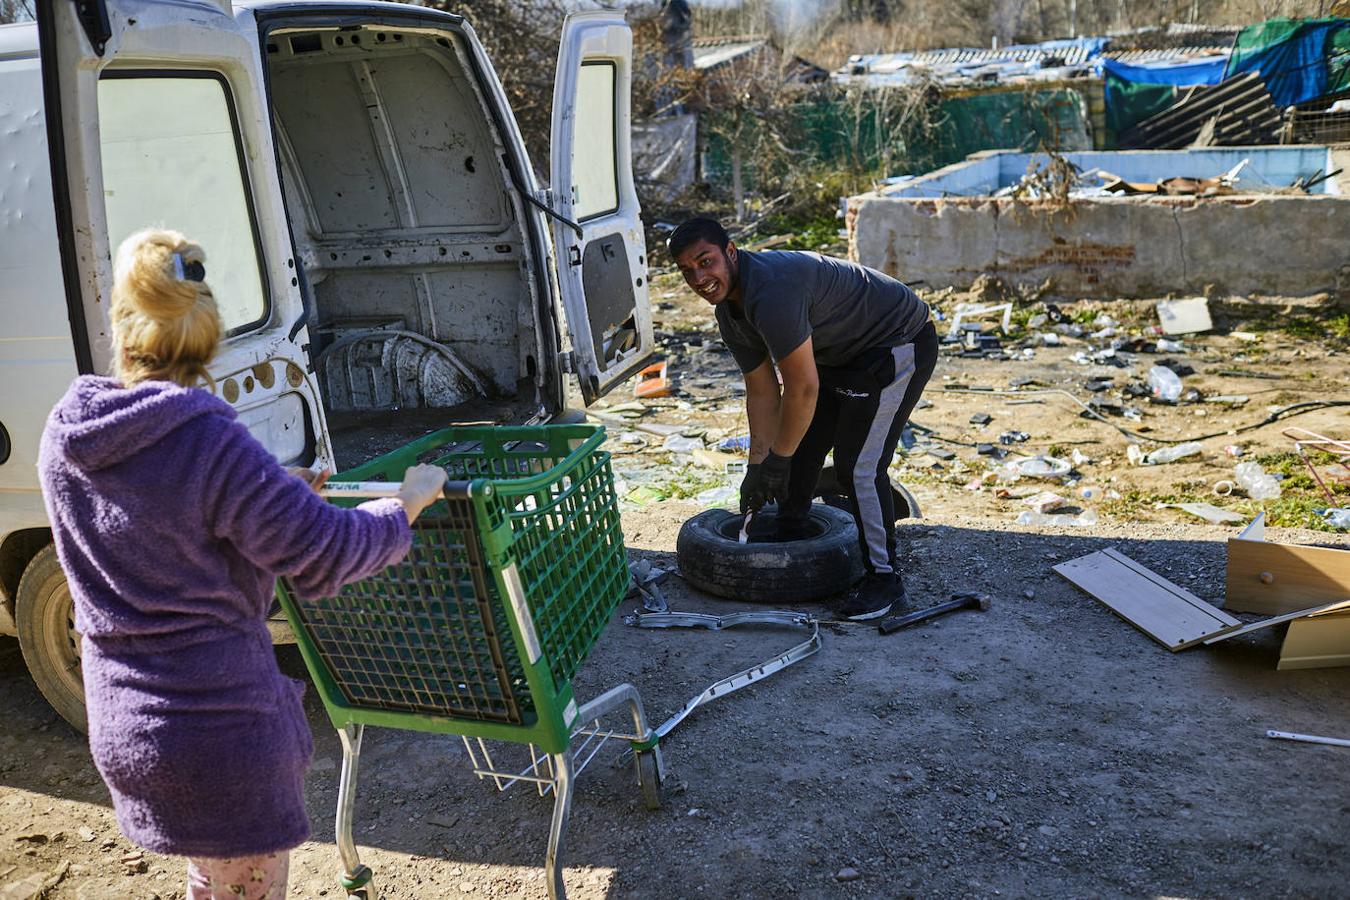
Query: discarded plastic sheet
x=1207, y=511
x=1189, y=316
x=678, y=443
x=1085, y=518
x=745, y=677
x=1163, y=454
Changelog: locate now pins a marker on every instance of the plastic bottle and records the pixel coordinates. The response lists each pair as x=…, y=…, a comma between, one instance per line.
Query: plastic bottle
x=1259, y=484
x=1165, y=345
x=1164, y=384
x=1171, y=454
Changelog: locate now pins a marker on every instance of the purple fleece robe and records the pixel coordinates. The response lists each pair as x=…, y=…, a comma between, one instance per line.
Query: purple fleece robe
x=172, y=523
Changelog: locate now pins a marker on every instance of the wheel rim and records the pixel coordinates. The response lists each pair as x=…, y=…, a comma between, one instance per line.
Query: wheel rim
x=763, y=528
x=61, y=641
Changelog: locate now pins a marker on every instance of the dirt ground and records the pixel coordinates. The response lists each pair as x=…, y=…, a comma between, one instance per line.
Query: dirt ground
x=1042, y=748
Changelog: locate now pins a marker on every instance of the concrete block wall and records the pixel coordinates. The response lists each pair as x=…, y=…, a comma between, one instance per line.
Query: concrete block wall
x=1109, y=247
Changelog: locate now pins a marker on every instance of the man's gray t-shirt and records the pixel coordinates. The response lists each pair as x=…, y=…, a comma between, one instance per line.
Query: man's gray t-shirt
x=846, y=309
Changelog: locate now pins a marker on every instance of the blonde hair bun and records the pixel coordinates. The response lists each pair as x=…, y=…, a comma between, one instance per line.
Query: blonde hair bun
x=165, y=326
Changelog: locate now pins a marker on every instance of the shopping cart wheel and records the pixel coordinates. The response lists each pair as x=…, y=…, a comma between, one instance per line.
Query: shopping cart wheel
x=360, y=884
x=649, y=779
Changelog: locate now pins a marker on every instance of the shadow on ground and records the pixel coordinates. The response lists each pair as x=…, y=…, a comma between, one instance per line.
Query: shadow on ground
x=1044, y=747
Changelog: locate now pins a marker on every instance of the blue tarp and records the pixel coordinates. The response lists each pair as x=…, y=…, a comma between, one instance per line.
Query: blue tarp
x=1135, y=92
x=1294, y=68
x=1181, y=72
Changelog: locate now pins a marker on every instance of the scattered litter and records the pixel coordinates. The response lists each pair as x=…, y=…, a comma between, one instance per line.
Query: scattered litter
x=1189, y=316
x=1164, y=454
x=1163, y=345
x=740, y=442
x=990, y=450
x=714, y=459
x=1013, y=437
x=1248, y=336
x=717, y=496
x=1259, y=484
x=652, y=382
x=966, y=311
x=1223, y=488
x=1233, y=450
x=981, y=418
x=1228, y=399
x=941, y=453
x=1336, y=518
x=1207, y=511
x=1045, y=501
x=1034, y=467
x=1079, y=458
x=1087, y=517
x=678, y=443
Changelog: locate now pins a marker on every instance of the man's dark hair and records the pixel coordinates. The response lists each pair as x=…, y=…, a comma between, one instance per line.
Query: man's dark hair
x=695, y=230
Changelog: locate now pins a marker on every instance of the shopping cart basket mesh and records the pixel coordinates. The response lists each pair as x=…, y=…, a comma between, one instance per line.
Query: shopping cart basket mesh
x=430, y=634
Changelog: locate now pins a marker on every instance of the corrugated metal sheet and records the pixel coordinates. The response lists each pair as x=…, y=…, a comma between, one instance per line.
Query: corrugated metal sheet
x=1241, y=111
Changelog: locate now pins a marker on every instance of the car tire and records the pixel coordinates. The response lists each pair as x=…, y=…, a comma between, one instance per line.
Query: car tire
x=825, y=564
x=45, y=618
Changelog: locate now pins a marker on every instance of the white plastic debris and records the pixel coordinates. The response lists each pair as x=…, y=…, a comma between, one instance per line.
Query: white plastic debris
x=1087, y=517
x=1259, y=484
x=678, y=443
x=1337, y=518
x=1164, y=383
x=1045, y=501
x=1079, y=458
x=1168, y=454
x=1207, y=511
x=1188, y=316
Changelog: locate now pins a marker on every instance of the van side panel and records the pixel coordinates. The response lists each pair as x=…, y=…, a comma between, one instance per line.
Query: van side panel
x=37, y=356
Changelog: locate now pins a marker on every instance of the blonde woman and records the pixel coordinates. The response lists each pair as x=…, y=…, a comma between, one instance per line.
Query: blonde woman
x=172, y=523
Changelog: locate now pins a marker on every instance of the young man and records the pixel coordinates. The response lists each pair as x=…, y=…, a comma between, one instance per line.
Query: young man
x=854, y=348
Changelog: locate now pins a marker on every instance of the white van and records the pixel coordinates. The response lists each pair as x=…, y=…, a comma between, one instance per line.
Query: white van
x=385, y=260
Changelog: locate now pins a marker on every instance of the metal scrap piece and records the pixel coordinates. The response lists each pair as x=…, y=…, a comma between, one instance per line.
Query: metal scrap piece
x=744, y=677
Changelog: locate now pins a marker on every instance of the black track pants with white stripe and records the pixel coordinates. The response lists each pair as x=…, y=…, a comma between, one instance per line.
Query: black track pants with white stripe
x=860, y=412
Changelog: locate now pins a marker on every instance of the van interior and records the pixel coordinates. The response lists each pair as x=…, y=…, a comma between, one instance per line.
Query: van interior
x=409, y=232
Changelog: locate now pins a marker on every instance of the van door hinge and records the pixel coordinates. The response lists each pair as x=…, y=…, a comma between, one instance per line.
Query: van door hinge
x=567, y=360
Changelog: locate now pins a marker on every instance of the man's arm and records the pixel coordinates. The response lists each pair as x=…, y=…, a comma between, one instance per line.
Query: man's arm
x=761, y=407
x=801, y=386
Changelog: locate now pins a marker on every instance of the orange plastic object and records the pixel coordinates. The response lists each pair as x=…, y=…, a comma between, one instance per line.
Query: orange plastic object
x=652, y=382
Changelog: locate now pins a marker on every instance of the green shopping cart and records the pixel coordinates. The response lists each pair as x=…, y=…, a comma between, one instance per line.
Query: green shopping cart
x=479, y=631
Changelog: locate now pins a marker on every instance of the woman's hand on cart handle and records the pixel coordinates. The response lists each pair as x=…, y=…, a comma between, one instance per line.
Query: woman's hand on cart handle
x=422, y=486
x=315, y=479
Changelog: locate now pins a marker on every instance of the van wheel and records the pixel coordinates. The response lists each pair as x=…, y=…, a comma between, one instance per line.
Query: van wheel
x=823, y=562
x=45, y=617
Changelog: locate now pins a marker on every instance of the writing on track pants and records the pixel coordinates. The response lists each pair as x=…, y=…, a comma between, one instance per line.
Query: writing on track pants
x=860, y=412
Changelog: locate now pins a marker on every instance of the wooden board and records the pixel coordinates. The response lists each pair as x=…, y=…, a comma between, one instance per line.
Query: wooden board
x=1168, y=613
x=1295, y=576
x=1317, y=642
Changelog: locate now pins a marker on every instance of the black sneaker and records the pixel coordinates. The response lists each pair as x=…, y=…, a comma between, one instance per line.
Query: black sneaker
x=873, y=597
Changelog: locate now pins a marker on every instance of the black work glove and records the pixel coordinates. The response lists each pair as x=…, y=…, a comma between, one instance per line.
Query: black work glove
x=752, y=489
x=774, y=472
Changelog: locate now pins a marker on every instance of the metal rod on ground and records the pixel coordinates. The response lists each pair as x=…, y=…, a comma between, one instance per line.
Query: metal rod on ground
x=1308, y=738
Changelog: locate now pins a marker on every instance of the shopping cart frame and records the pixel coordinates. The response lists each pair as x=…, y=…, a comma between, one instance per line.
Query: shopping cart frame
x=485, y=516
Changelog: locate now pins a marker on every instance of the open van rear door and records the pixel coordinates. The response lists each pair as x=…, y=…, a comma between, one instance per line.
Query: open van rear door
x=155, y=118
x=601, y=251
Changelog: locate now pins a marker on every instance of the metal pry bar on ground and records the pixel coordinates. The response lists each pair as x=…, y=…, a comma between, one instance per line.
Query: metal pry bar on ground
x=958, y=601
x=744, y=677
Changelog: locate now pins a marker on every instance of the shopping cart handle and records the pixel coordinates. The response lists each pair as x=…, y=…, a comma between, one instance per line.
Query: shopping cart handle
x=361, y=489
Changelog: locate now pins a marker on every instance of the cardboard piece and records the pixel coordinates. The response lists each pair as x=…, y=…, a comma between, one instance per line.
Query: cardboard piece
x=1273, y=579
x=1177, y=619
